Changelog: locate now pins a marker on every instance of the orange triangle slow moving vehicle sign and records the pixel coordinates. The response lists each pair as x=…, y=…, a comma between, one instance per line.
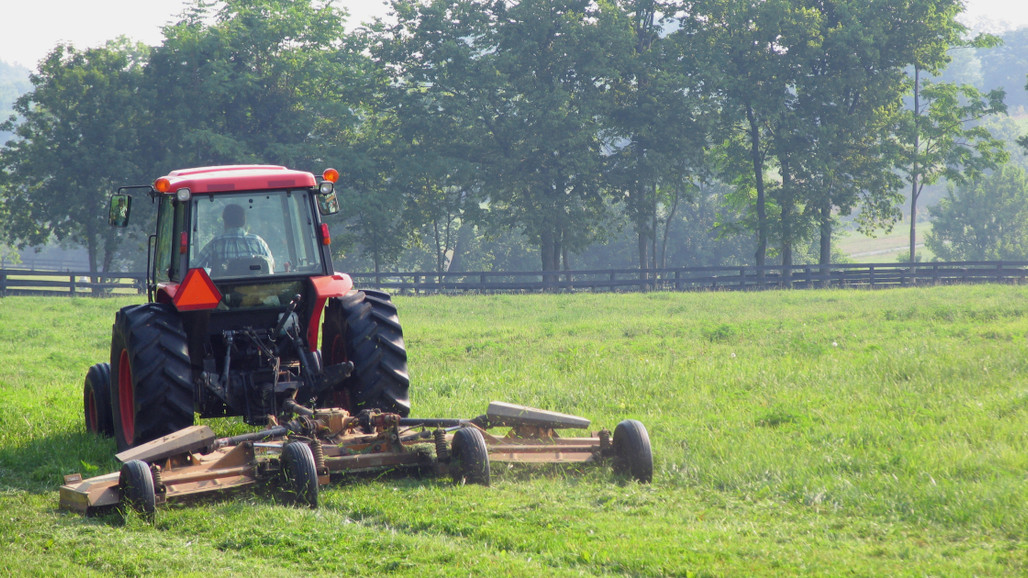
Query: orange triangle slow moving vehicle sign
x=196, y=292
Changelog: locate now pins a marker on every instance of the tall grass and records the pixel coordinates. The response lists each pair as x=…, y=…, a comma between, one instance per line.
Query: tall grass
x=815, y=432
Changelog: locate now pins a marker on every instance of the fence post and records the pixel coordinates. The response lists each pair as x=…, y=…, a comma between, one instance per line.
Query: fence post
x=3, y=282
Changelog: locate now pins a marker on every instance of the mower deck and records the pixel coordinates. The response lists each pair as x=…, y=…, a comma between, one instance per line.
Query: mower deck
x=192, y=461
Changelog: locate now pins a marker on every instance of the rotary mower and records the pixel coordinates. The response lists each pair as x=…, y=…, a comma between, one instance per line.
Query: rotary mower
x=297, y=457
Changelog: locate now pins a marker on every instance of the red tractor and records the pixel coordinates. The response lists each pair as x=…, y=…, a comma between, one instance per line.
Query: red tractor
x=240, y=282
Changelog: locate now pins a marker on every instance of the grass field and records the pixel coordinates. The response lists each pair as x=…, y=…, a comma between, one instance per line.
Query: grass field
x=794, y=433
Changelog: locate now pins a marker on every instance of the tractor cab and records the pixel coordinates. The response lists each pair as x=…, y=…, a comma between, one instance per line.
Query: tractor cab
x=255, y=232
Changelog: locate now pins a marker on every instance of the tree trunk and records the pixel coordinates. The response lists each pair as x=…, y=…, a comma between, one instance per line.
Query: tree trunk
x=440, y=248
x=642, y=246
x=914, y=169
x=549, y=252
x=93, y=251
x=667, y=225
x=760, y=255
x=825, y=257
x=788, y=223
x=465, y=234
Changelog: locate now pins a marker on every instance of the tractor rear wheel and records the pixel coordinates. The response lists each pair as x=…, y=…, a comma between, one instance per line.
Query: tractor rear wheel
x=299, y=475
x=96, y=400
x=632, y=453
x=152, y=393
x=469, y=457
x=136, y=485
x=363, y=327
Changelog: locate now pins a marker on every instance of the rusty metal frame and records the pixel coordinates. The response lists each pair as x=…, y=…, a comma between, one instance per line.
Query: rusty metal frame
x=192, y=461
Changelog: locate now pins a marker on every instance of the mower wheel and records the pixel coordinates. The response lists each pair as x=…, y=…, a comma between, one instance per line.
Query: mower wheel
x=151, y=376
x=363, y=327
x=136, y=485
x=96, y=399
x=632, y=455
x=299, y=475
x=469, y=457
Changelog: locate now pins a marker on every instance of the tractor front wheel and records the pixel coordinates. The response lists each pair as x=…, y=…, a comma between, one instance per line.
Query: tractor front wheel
x=152, y=393
x=96, y=400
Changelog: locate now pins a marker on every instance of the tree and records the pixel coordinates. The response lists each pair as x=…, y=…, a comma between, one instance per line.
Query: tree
x=658, y=131
x=77, y=139
x=940, y=132
x=524, y=85
x=944, y=140
x=251, y=81
x=847, y=96
x=751, y=55
x=982, y=219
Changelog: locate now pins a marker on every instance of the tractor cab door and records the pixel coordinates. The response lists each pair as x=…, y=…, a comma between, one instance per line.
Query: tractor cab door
x=164, y=266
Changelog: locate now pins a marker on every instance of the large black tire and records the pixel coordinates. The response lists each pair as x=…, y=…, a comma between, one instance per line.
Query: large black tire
x=363, y=327
x=469, y=457
x=299, y=475
x=152, y=393
x=135, y=483
x=96, y=400
x=632, y=454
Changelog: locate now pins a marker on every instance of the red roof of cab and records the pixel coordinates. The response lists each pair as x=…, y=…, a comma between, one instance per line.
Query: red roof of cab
x=238, y=178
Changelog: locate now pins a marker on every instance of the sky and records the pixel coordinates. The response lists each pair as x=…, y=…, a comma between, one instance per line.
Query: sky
x=30, y=28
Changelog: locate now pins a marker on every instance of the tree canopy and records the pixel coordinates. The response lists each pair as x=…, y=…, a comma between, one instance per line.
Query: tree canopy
x=983, y=218
x=563, y=124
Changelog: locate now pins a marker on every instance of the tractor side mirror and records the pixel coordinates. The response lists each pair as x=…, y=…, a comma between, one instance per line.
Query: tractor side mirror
x=121, y=206
x=328, y=202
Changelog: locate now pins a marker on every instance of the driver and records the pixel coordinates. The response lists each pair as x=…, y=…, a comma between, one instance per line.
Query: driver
x=234, y=243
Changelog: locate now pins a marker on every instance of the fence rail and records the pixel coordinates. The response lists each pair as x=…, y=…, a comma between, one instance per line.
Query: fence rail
x=69, y=283
x=868, y=275
x=743, y=278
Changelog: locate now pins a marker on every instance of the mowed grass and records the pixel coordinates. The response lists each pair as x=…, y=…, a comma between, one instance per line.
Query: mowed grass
x=798, y=433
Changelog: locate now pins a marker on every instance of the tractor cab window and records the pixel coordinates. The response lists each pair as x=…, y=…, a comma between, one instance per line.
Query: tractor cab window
x=170, y=218
x=257, y=234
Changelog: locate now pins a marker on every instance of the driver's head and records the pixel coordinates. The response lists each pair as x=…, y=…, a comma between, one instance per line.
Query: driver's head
x=233, y=216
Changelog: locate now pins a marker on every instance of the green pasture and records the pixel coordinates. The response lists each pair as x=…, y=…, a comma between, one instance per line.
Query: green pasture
x=824, y=433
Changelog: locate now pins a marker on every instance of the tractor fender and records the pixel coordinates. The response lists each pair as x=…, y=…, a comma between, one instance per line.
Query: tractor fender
x=325, y=287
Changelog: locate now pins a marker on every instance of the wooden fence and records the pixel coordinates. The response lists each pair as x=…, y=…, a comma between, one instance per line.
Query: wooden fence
x=870, y=276
x=69, y=283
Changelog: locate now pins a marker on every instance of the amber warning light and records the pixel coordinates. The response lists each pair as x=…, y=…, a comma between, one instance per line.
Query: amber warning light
x=330, y=175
